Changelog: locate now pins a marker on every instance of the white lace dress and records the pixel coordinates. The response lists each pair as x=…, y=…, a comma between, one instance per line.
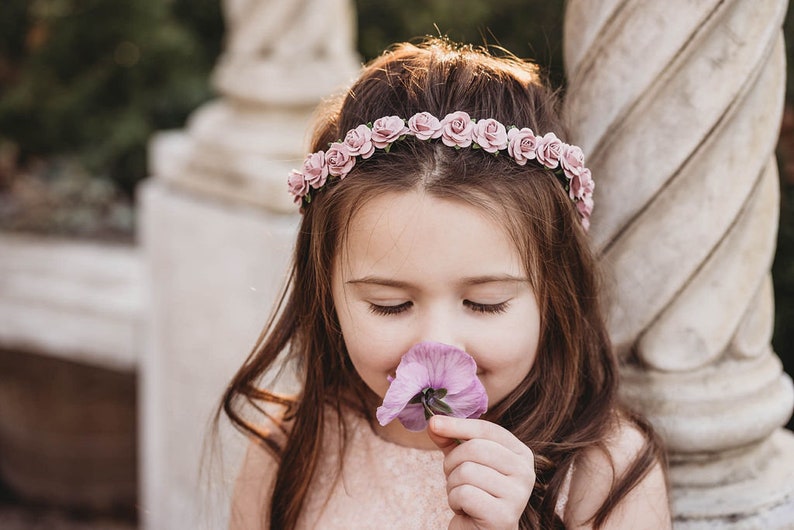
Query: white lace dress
x=382, y=485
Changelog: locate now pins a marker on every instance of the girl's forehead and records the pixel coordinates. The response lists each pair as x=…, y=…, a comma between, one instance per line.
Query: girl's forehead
x=414, y=233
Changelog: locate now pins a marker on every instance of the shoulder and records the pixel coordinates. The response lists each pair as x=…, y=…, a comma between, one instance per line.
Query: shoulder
x=253, y=488
x=256, y=479
x=645, y=506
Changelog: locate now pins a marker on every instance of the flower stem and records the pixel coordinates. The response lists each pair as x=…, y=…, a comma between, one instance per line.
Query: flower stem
x=429, y=413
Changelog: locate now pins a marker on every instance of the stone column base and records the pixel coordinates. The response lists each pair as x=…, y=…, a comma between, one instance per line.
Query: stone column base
x=763, y=501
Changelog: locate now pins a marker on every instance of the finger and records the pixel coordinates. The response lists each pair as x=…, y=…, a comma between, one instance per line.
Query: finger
x=483, y=452
x=490, y=454
x=470, y=500
x=483, y=477
x=481, y=507
x=442, y=442
x=467, y=429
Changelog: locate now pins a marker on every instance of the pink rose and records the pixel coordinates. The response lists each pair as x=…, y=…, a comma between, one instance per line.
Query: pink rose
x=582, y=185
x=424, y=126
x=315, y=170
x=549, y=150
x=298, y=186
x=588, y=184
x=359, y=142
x=490, y=135
x=585, y=207
x=572, y=160
x=521, y=144
x=575, y=188
x=457, y=129
x=387, y=130
x=338, y=160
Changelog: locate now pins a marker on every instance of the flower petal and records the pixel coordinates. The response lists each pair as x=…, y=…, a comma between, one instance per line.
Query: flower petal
x=411, y=378
x=447, y=366
x=472, y=402
x=413, y=417
x=437, y=366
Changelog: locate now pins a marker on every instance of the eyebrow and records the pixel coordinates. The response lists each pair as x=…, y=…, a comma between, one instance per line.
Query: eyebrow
x=468, y=281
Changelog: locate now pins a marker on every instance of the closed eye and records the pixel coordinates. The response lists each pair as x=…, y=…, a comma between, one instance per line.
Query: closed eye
x=487, y=308
x=390, y=309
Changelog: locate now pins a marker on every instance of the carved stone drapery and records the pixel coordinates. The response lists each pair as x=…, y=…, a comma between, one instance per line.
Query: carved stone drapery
x=678, y=105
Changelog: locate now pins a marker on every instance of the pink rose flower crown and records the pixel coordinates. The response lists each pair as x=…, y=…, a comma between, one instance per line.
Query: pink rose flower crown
x=457, y=130
x=433, y=378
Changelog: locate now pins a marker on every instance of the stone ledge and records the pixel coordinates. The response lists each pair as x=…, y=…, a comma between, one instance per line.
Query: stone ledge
x=77, y=300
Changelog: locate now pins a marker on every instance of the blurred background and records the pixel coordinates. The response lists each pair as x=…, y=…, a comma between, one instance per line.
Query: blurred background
x=84, y=84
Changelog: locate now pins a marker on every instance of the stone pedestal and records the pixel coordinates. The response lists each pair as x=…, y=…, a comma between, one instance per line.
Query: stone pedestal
x=214, y=269
x=678, y=105
x=217, y=227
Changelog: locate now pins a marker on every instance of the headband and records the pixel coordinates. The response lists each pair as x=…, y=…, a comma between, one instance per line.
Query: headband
x=457, y=130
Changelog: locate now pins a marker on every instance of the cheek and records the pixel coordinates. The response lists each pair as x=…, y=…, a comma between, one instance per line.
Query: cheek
x=506, y=370
x=373, y=364
x=508, y=357
x=368, y=347
x=373, y=354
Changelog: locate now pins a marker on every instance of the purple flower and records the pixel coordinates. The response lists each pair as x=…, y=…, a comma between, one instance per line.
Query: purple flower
x=433, y=378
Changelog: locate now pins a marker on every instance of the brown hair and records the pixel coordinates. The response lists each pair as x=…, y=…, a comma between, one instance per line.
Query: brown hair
x=568, y=401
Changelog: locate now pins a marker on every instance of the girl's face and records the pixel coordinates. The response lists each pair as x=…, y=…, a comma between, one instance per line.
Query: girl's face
x=418, y=268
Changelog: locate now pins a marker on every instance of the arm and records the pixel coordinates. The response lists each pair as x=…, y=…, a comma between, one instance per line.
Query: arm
x=253, y=489
x=644, y=507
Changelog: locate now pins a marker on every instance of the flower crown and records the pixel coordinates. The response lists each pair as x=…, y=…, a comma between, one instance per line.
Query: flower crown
x=457, y=130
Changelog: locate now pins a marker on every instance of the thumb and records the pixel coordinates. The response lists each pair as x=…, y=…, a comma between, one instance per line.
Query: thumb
x=442, y=442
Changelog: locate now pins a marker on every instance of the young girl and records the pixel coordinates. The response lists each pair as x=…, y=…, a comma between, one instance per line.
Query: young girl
x=439, y=204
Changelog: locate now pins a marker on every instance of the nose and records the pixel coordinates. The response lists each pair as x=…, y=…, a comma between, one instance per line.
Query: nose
x=440, y=325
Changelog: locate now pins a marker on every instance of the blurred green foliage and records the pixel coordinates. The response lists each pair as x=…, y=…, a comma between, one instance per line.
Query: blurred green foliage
x=95, y=78
x=783, y=266
x=783, y=276
x=530, y=29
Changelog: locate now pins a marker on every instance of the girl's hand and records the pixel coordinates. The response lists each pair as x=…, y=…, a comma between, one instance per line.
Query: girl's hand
x=490, y=473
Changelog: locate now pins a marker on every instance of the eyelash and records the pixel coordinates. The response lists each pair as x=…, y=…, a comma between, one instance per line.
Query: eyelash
x=389, y=309
x=491, y=309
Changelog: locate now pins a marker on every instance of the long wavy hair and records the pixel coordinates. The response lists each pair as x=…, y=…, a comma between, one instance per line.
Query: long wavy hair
x=568, y=402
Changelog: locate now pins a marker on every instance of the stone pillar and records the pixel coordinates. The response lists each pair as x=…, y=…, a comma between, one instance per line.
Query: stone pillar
x=217, y=228
x=678, y=105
